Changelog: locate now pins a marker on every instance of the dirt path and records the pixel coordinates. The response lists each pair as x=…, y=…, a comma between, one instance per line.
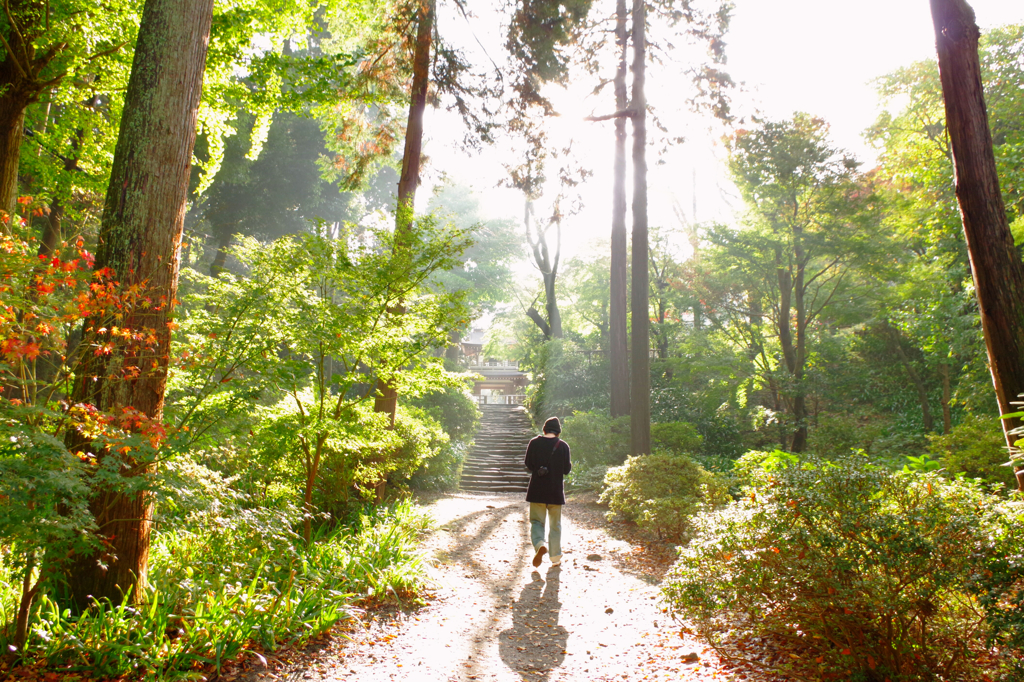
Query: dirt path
x=491, y=616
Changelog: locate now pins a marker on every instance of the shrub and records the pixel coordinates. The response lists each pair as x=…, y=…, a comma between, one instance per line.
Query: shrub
x=1000, y=589
x=454, y=409
x=221, y=584
x=442, y=471
x=596, y=439
x=975, y=447
x=597, y=442
x=457, y=413
x=679, y=438
x=564, y=381
x=860, y=568
x=661, y=493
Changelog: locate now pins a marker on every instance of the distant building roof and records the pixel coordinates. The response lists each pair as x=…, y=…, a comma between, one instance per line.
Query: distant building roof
x=499, y=373
x=475, y=337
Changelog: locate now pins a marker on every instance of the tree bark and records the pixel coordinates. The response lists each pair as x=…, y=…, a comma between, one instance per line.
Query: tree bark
x=640, y=389
x=791, y=351
x=12, y=128
x=551, y=304
x=541, y=323
x=140, y=240
x=799, y=373
x=387, y=395
x=618, y=315
x=18, y=93
x=995, y=264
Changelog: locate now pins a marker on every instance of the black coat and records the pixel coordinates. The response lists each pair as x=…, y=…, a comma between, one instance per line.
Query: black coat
x=552, y=453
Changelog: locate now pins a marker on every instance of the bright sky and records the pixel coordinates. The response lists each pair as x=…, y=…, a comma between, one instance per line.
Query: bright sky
x=815, y=56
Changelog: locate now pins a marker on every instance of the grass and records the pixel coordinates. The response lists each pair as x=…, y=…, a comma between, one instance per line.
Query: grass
x=220, y=587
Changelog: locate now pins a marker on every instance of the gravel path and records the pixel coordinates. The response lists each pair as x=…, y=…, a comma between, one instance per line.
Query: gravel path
x=491, y=616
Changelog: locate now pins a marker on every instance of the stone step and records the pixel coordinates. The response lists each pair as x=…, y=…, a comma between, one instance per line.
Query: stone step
x=489, y=487
x=494, y=480
x=495, y=462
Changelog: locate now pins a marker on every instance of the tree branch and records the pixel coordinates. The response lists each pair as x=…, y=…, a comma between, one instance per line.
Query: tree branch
x=539, y=321
x=625, y=113
x=14, y=57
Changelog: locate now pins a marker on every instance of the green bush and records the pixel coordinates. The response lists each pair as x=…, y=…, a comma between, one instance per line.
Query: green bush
x=564, y=381
x=454, y=409
x=662, y=493
x=597, y=442
x=221, y=584
x=866, y=571
x=680, y=438
x=975, y=447
x=458, y=414
x=596, y=439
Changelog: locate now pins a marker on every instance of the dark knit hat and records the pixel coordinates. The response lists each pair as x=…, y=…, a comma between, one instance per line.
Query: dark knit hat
x=552, y=426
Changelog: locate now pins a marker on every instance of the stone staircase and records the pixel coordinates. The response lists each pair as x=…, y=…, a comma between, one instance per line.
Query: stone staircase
x=495, y=462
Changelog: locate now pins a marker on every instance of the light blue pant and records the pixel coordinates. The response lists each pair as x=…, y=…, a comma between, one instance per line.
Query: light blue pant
x=553, y=512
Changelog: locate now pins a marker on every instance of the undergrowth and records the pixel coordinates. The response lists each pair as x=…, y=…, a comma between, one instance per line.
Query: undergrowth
x=220, y=587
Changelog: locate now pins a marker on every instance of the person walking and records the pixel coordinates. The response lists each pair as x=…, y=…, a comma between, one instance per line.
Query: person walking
x=547, y=458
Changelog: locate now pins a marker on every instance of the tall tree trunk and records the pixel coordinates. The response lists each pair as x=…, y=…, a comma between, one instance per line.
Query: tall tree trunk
x=547, y=263
x=790, y=352
x=618, y=314
x=799, y=372
x=12, y=130
x=20, y=87
x=996, y=265
x=140, y=240
x=53, y=229
x=387, y=398
x=640, y=393
x=551, y=305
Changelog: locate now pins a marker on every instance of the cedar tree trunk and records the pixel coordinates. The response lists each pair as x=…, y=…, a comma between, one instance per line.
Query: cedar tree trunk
x=996, y=265
x=140, y=240
x=618, y=315
x=387, y=399
x=640, y=393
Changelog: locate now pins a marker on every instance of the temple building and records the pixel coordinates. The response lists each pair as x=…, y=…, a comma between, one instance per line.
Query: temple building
x=501, y=381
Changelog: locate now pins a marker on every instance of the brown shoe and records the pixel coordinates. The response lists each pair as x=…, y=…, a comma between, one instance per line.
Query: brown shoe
x=539, y=556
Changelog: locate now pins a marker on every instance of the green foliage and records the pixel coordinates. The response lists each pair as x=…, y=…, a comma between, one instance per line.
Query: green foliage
x=311, y=329
x=221, y=585
x=565, y=380
x=866, y=571
x=454, y=409
x=596, y=438
x=1000, y=589
x=976, y=448
x=662, y=493
x=457, y=413
x=485, y=268
x=678, y=438
x=597, y=442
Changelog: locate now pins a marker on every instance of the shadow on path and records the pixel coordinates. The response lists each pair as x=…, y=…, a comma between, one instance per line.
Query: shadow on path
x=535, y=642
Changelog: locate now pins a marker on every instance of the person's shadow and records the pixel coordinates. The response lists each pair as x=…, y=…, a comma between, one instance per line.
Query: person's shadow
x=535, y=642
